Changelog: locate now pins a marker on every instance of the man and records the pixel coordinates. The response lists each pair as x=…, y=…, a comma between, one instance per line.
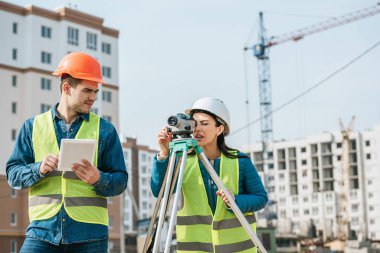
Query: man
x=68, y=211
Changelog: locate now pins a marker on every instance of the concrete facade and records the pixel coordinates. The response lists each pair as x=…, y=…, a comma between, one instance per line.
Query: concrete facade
x=305, y=179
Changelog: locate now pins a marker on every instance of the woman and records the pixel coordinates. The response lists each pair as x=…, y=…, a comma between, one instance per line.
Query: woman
x=205, y=223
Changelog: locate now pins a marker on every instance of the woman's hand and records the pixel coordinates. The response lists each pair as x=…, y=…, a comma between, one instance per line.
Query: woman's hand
x=221, y=194
x=163, y=140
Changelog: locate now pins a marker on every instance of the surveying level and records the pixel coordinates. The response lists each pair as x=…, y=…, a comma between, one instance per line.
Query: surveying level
x=181, y=144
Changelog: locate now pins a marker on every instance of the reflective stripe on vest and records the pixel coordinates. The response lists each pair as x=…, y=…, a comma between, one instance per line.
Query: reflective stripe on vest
x=198, y=230
x=64, y=188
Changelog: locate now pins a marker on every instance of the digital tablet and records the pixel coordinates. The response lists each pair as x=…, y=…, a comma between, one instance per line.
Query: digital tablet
x=73, y=151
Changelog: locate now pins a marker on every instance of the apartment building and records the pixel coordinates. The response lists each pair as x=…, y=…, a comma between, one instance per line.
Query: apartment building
x=304, y=183
x=34, y=41
x=138, y=159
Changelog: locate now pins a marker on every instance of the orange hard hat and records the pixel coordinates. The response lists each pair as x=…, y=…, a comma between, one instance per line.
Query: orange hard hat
x=80, y=65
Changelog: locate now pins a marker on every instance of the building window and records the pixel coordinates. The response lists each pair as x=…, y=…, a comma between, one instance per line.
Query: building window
x=371, y=221
x=354, y=208
x=367, y=143
x=329, y=196
x=14, y=54
x=14, y=28
x=14, y=81
x=338, y=145
x=91, y=41
x=304, y=162
x=13, y=219
x=106, y=48
x=45, y=108
x=106, y=71
x=353, y=195
x=110, y=222
x=13, y=193
x=45, y=57
x=370, y=195
x=371, y=208
x=368, y=156
x=45, y=84
x=13, y=246
x=303, y=149
x=13, y=134
x=329, y=209
x=108, y=118
x=315, y=210
x=107, y=96
x=45, y=32
x=72, y=36
x=14, y=107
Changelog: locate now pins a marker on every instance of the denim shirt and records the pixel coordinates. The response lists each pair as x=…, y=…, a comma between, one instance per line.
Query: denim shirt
x=251, y=197
x=23, y=172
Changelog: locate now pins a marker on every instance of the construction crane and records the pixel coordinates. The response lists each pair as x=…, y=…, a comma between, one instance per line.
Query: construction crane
x=261, y=52
x=343, y=228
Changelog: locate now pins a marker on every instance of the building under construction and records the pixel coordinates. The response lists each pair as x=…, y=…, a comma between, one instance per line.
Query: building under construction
x=307, y=194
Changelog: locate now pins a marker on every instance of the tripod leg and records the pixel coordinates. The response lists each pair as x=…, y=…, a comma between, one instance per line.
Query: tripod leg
x=233, y=205
x=165, y=201
x=151, y=233
x=173, y=215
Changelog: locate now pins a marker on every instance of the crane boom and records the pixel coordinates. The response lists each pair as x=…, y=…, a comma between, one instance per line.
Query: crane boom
x=324, y=25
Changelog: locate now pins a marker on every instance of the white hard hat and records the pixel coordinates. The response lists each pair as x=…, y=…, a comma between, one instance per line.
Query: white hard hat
x=213, y=106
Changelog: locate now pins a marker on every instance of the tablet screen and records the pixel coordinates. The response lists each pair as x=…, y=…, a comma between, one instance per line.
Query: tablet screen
x=73, y=151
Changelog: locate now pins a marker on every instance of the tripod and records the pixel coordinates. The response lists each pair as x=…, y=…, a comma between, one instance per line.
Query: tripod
x=181, y=146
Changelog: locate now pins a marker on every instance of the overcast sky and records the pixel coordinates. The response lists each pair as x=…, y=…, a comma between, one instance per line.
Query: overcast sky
x=174, y=52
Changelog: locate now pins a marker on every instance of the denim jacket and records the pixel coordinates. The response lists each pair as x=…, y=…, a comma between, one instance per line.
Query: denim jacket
x=251, y=197
x=23, y=172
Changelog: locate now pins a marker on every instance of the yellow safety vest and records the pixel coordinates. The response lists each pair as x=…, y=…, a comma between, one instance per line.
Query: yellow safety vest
x=48, y=195
x=198, y=230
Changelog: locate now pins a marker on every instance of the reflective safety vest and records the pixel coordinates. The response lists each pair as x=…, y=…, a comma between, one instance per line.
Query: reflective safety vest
x=198, y=230
x=64, y=188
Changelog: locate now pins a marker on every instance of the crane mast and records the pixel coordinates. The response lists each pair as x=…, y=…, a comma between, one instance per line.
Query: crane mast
x=344, y=183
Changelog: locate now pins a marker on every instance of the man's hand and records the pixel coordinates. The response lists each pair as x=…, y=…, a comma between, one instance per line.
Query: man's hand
x=49, y=163
x=224, y=197
x=86, y=172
